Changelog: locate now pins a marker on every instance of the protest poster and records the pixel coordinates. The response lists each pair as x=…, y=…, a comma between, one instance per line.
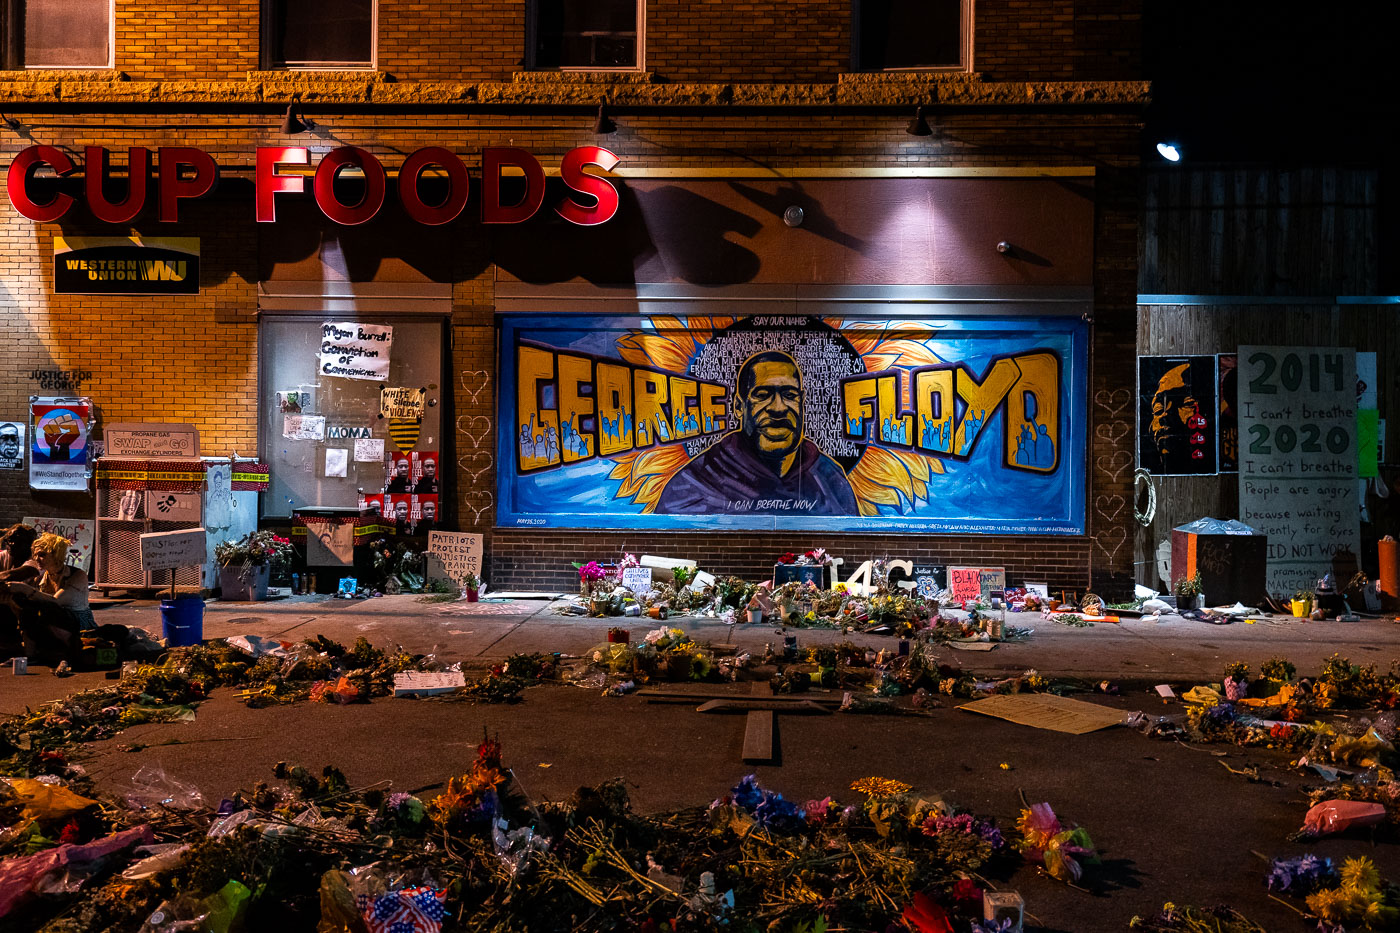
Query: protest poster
x=400, y=402
x=1298, y=459
x=80, y=531
x=58, y=453
x=169, y=550
x=11, y=445
x=459, y=551
x=356, y=351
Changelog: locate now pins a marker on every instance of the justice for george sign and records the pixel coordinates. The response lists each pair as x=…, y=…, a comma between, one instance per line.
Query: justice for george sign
x=356, y=351
x=1298, y=462
x=167, y=550
x=459, y=552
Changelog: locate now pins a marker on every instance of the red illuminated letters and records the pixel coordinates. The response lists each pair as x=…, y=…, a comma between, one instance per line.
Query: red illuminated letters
x=600, y=189
x=373, y=199
x=458, y=186
x=95, y=170
x=493, y=159
x=173, y=188
x=185, y=173
x=267, y=183
x=17, y=183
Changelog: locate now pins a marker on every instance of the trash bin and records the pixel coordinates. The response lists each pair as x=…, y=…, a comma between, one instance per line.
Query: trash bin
x=183, y=620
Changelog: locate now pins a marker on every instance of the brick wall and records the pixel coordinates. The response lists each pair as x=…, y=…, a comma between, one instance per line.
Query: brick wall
x=707, y=41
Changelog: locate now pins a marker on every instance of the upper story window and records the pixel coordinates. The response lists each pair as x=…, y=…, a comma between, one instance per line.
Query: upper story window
x=581, y=34
x=318, y=35
x=57, y=33
x=913, y=34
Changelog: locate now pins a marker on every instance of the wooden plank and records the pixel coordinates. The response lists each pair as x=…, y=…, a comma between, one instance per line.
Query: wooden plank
x=758, y=737
x=746, y=704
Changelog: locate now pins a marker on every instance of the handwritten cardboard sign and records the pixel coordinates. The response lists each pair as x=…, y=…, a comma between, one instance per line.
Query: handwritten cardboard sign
x=400, y=402
x=459, y=551
x=637, y=579
x=1298, y=458
x=167, y=550
x=969, y=583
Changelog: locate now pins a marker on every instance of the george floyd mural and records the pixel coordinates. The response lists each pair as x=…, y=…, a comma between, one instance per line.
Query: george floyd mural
x=973, y=424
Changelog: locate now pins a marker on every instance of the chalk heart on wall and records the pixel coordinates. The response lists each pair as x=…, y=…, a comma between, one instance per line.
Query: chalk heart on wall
x=1115, y=464
x=490, y=501
x=1109, y=506
x=466, y=426
x=1111, y=541
x=1113, y=432
x=1109, y=402
x=474, y=382
x=468, y=461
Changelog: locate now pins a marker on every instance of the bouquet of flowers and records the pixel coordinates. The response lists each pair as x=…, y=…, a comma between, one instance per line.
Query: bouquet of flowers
x=255, y=549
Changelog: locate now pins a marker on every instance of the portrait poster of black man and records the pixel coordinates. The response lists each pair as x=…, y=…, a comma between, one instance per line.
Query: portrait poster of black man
x=793, y=422
x=1177, y=415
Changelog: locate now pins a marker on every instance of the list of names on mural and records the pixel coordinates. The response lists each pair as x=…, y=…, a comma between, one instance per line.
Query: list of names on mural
x=1298, y=458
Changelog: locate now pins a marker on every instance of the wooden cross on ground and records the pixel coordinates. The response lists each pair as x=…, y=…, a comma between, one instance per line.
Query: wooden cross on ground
x=761, y=704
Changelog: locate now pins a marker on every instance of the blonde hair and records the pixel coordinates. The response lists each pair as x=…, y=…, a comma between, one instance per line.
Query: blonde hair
x=51, y=546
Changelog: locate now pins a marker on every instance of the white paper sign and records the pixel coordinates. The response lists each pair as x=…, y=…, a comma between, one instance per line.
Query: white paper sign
x=304, y=427
x=78, y=530
x=1298, y=458
x=172, y=506
x=459, y=551
x=637, y=579
x=12, y=445
x=369, y=450
x=167, y=550
x=356, y=351
x=336, y=460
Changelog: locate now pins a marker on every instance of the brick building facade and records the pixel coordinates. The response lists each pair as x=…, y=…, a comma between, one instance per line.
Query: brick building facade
x=755, y=92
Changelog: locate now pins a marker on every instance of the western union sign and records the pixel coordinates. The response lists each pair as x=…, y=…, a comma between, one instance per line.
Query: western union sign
x=133, y=265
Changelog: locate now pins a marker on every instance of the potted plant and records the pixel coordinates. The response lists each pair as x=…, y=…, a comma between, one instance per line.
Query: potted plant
x=471, y=586
x=1188, y=592
x=246, y=564
x=1302, y=604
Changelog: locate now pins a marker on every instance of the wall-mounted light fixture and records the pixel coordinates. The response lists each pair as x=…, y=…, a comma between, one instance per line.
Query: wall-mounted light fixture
x=1169, y=151
x=14, y=125
x=295, y=121
x=918, y=126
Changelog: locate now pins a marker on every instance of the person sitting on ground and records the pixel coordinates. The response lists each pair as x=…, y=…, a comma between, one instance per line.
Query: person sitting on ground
x=54, y=611
x=16, y=564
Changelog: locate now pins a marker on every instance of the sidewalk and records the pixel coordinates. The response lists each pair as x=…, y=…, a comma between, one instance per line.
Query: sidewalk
x=1175, y=650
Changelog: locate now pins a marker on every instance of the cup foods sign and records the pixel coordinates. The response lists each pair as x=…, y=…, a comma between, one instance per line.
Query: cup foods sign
x=183, y=173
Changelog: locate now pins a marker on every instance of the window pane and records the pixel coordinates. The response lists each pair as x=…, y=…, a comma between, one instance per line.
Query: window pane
x=308, y=33
x=910, y=33
x=67, y=33
x=586, y=34
x=288, y=364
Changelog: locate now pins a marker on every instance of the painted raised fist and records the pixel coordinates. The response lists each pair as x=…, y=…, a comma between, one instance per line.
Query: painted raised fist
x=60, y=433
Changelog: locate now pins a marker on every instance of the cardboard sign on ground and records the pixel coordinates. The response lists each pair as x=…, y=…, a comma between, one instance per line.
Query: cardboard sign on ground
x=1047, y=711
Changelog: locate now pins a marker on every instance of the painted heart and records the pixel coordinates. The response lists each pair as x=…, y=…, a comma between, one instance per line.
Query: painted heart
x=1109, y=402
x=473, y=458
x=466, y=424
x=1115, y=464
x=1112, y=432
x=1115, y=537
x=490, y=501
x=1109, y=506
x=474, y=382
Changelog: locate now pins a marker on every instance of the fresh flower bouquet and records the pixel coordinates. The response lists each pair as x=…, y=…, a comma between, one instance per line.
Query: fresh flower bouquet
x=255, y=548
x=590, y=575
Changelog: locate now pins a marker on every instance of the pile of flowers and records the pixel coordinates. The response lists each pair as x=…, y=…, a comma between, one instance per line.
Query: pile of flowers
x=1062, y=848
x=256, y=548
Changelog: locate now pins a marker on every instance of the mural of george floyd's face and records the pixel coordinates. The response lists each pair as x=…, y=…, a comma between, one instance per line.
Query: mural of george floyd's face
x=773, y=408
x=9, y=443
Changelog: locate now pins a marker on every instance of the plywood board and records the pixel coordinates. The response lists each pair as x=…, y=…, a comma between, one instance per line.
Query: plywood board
x=1047, y=711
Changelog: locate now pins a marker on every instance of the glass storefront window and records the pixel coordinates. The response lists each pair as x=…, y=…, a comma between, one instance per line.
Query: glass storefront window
x=314, y=427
